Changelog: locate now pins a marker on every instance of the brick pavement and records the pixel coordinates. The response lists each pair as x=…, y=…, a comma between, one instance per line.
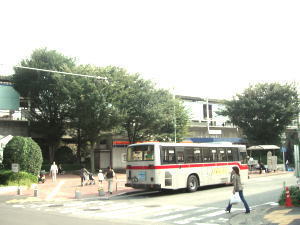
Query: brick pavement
x=66, y=185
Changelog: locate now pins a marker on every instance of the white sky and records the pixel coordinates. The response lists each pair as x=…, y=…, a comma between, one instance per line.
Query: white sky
x=201, y=48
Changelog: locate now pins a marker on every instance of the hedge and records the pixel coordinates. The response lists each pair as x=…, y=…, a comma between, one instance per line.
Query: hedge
x=9, y=178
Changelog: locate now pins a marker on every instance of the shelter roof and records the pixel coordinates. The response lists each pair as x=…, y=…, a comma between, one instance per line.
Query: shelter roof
x=263, y=147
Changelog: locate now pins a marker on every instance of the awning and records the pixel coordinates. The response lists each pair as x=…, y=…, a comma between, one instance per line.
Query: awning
x=264, y=147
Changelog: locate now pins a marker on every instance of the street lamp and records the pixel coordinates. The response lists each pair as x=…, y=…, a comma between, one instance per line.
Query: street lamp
x=283, y=149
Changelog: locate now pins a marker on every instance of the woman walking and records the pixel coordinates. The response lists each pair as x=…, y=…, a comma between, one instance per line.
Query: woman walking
x=236, y=180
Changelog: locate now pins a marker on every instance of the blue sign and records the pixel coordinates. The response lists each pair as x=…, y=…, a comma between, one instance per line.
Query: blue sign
x=283, y=149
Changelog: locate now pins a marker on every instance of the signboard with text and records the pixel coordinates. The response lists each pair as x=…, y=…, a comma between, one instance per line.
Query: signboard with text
x=15, y=167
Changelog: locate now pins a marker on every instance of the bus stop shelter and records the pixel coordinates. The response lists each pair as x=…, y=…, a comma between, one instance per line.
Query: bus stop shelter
x=263, y=148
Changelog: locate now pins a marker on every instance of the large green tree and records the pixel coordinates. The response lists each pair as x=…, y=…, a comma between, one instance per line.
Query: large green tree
x=48, y=105
x=263, y=111
x=147, y=113
x=90, y=106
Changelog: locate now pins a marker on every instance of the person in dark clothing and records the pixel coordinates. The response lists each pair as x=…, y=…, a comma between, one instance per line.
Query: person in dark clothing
x=262, y=167
x=110, y=174
x=84, y=176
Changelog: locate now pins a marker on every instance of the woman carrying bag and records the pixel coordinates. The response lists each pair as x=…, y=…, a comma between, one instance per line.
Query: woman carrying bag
x=236, y=180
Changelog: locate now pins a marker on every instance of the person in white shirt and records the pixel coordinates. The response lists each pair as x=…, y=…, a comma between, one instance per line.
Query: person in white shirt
x=53, y=171
x=100, y=177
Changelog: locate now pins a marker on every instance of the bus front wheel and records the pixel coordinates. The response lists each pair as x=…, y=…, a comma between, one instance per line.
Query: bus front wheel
x=192, y=183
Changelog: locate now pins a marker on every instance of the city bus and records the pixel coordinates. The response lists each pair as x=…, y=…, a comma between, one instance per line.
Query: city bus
x=173, y=166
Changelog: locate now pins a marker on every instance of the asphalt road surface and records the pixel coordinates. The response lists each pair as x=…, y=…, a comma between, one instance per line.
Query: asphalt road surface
x=206, y=206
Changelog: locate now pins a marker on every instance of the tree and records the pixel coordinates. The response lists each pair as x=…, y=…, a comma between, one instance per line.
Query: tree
x=47, y=110
x=146, y=113
x=263, y=111
x=24, y=151
x=91, y=110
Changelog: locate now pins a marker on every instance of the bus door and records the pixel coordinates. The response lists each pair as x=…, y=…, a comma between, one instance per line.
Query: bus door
x=168, y=176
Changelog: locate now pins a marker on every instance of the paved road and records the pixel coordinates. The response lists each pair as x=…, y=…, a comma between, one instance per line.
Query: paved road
x=205, y=206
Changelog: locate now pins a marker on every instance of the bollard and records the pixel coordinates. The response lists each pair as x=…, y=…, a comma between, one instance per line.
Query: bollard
x=77, y=194
x=101, y=192
x=19, y=191
x=35, y=192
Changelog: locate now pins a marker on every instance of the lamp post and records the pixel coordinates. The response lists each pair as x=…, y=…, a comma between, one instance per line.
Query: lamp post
x=283, y=150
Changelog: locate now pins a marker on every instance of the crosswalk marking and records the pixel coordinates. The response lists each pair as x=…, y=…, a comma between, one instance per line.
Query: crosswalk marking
x=168, y=218
x=171, y=214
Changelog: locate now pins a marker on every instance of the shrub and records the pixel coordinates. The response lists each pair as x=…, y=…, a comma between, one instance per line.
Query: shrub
x=24, y=151
x=7, y=177
x=295, y=196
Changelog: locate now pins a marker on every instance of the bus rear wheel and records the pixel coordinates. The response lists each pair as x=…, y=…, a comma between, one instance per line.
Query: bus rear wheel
x=192, y=183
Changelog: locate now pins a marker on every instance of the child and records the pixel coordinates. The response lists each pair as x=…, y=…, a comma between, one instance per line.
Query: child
x=91, y=179
x=100, y=177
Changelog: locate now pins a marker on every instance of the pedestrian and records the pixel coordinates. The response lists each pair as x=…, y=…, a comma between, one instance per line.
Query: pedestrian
x=60, y=169
x=53, y=171
x=287, y=165
x=262, y=168
x=110, y=174
x=236, y=180
x=84, y=176
x=100, y=177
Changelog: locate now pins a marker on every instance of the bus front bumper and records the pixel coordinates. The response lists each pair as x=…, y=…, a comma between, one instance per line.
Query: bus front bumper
x=144, y=186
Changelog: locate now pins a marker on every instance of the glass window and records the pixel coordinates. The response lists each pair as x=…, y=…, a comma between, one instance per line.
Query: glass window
x=189, y=155
x=222, y=155
x=229, y=154
x=140, y=153
x=197, y=154
x=235, y=154
x=213, y=153
x=207, y=157
x=168, y=155
x=180, y=156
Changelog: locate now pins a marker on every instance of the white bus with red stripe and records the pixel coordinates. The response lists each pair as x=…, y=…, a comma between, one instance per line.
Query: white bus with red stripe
x=183, y=165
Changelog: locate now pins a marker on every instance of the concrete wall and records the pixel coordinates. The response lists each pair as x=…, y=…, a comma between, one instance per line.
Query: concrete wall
x=227, y=132
x=14, y=128
x=119, y=158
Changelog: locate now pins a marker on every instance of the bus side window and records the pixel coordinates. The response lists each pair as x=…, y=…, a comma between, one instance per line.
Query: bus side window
x=221, y=155
x=229, y=154
x=189, y=155
x=206, y=155
x=235, y=154
x=213, y=153
x=197, y=154
x=168, y=155
x=180, y=157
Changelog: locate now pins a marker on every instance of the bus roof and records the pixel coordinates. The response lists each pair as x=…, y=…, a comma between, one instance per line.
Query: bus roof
x=210, y=144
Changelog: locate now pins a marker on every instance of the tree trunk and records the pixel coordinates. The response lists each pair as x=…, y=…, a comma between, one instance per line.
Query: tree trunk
x=78, y=153
x=92, y=156
x=51, y=153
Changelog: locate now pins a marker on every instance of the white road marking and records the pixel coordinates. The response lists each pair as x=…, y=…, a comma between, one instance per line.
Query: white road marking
x=169, y=218
x=56, y=189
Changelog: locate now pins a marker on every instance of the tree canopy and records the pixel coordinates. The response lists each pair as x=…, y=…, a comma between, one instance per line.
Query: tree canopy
x=264, y=111
x=124, y=103
x=48, y=105
x=147, y=113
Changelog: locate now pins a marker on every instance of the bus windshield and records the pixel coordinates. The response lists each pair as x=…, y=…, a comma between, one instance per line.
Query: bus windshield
x=140, y=153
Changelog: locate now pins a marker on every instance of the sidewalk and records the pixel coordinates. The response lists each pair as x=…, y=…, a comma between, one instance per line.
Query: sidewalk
x=65, y=186
x=266, y=215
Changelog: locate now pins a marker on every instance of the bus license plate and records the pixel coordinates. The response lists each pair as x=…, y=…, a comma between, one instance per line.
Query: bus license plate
x=142, y=175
